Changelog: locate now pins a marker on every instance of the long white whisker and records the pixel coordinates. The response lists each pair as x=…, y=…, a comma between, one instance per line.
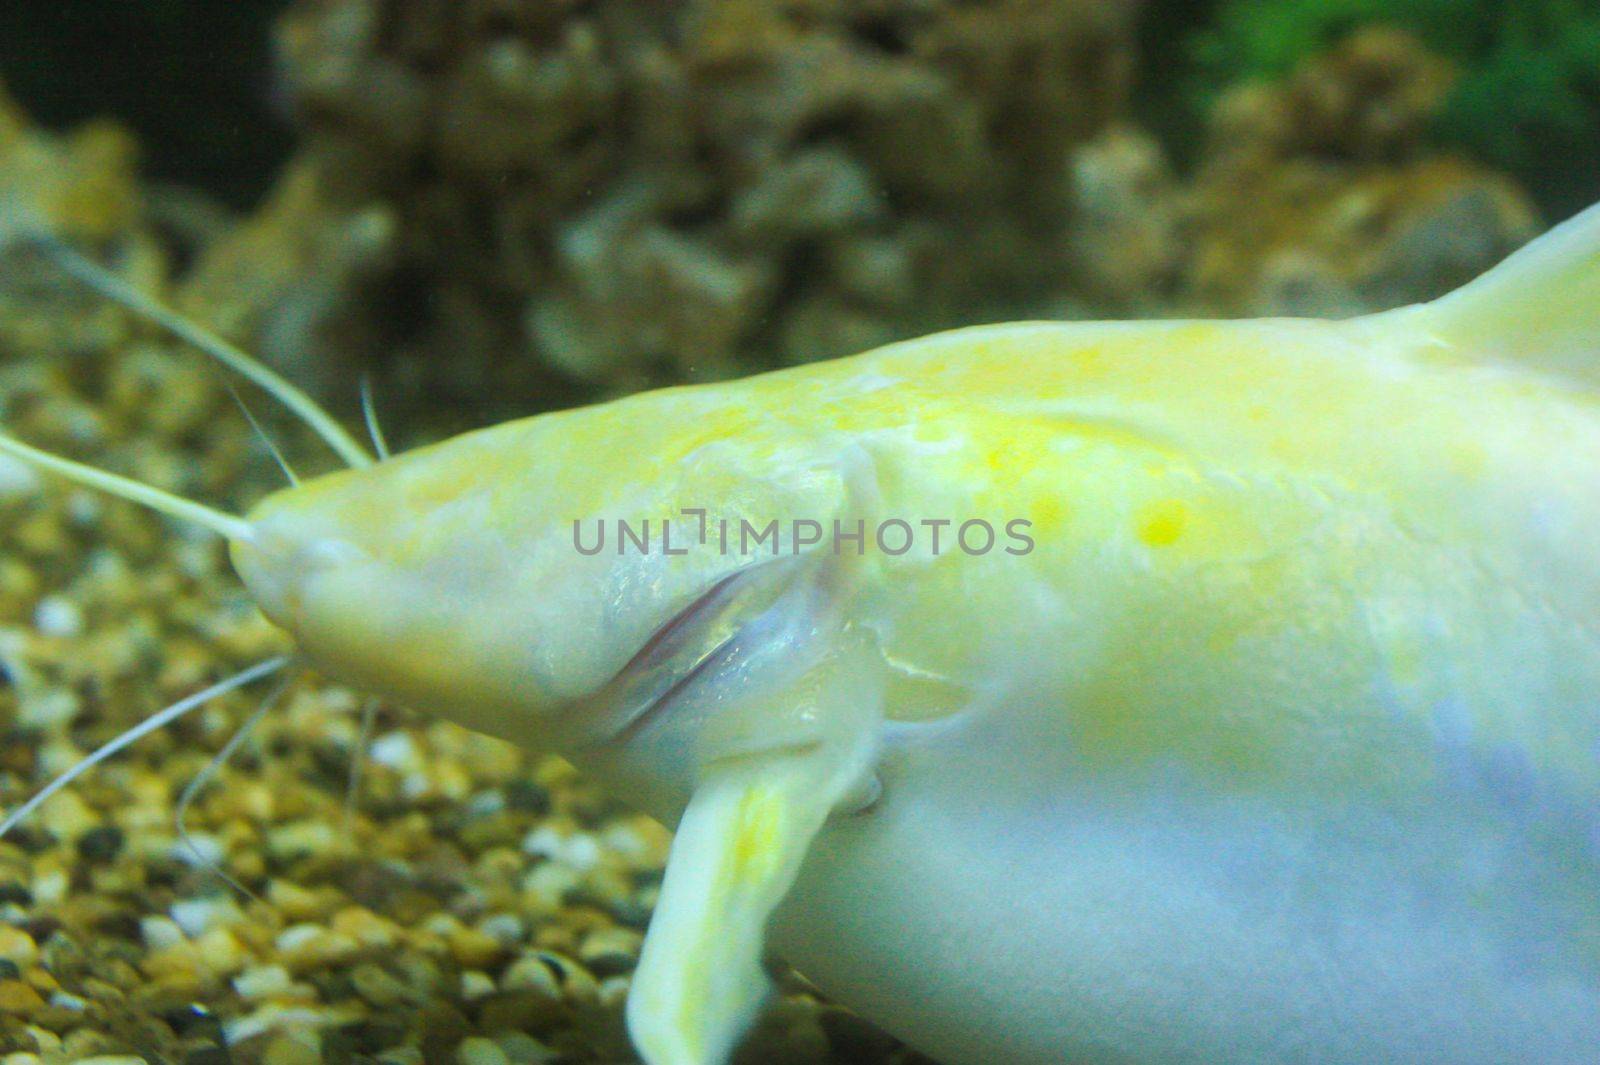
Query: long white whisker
x=202, y=778
x=358, y=760
x=119, y=291
x=226, y=525
x=142, y=729
x=369, y=411
x=272, y=446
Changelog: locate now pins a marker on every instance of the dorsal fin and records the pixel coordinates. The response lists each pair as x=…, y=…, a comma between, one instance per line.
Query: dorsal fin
x=1539, y=308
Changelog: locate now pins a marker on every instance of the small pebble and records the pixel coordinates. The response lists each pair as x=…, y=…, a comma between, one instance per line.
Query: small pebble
x=66, y=816
x=484, y=804
x=17, y=946
x=295, y=902
x=505, y=928
x=377, y=985
x=221, y=952
x=51, y=887
x=473, y=949
x=42, y=708
x=160, y=932
x=299, y=838
x=84, y=507
x=272, y=1017
x=58, y=616
x=47, y=1041
x=396, y=750
x=200, y=850
x=17, y=479
x=197, y=916
x=475, y=985
x=523, y=1049
x=300, y=1047
x=548, y=883
x=614, y=991
x=480, y=1051
x=578, y=850
x=608, y=951
x=306, y=947
x=531, y=973
x=18, y=997
x=263, y=981
x=364, y=926
x=508, y=1010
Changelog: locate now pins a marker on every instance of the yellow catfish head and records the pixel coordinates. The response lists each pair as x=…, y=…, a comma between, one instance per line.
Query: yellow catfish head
x=548, y=580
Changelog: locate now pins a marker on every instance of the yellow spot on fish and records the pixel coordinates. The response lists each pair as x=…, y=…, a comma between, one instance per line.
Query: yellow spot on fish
x=756, y=847
x=1163, y=523
x=1046, y=514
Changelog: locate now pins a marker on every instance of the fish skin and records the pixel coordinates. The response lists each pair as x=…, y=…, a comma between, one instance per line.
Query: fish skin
x=1282, y=743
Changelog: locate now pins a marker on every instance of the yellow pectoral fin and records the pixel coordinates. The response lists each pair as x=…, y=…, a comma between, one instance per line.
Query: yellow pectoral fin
x=699, y=983
x=736, y=853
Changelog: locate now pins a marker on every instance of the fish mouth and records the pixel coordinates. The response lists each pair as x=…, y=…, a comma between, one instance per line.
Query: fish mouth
x=686, y=649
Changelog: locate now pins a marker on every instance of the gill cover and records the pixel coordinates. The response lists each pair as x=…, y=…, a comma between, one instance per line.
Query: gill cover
x=761, y=723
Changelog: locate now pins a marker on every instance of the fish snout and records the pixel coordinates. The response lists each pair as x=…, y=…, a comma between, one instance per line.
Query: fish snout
x=278, y=566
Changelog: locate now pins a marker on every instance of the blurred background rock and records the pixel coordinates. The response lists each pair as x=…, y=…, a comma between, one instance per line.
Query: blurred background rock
x=502, y=206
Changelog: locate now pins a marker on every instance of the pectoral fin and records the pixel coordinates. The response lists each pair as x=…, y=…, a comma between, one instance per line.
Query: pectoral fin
x=737, y=851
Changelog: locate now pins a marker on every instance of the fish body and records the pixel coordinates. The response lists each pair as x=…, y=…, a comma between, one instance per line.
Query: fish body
x=1284, y=743
x=1261, y=725
x=1281, y=741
